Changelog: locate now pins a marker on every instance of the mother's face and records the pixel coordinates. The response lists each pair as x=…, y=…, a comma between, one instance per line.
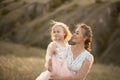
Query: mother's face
x=78, y=36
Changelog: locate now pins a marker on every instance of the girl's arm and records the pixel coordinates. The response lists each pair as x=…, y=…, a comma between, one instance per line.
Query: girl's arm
x=50, y=51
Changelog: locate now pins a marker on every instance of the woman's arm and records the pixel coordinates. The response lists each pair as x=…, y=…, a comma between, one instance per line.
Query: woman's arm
x=81, y=75
x=57, y=77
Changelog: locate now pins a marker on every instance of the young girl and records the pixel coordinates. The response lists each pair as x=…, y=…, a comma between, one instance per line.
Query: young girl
x=56, y=51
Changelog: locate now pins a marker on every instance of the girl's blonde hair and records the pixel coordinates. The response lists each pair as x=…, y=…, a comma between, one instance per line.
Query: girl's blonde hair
x=68, y=35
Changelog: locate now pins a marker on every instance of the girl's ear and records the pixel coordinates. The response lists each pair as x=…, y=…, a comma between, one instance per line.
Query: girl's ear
x=64, y=33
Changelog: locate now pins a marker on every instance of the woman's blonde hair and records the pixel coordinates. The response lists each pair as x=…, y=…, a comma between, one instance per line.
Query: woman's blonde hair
x=87, y=33
x=68, y=34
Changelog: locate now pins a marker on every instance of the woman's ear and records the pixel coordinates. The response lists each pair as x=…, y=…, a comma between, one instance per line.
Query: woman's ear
x=85, y=38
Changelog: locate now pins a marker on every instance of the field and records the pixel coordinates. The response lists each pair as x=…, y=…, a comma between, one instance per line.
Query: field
x=18, y=62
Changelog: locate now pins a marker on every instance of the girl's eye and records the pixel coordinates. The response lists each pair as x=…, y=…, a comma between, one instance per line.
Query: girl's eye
x=58, y=31
x=53, y=31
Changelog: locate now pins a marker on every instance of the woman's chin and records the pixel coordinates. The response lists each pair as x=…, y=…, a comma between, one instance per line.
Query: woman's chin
x=74, y=41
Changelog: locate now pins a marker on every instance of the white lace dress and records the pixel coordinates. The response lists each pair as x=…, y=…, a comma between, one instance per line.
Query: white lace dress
x=76, y=64
x=75, y=67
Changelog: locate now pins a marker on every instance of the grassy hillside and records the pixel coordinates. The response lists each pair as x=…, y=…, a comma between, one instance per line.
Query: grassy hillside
x=31, y=1
x=25, y=24
x=18, y=62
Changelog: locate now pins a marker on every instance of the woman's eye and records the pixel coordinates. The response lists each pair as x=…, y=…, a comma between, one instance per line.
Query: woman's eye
x=76, y=33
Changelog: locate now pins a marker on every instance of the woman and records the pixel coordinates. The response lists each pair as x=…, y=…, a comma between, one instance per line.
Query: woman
x=79, y=60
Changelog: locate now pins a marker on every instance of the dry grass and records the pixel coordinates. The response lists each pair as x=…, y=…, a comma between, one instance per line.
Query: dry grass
x=31, y=1
x=20, y=68
x=104, y=72
x=18, y=62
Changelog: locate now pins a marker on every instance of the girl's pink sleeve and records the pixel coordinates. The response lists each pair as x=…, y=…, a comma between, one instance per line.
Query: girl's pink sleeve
x=50, y=51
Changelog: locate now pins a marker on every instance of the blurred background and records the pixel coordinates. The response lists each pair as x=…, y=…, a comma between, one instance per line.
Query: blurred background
x=25, y=34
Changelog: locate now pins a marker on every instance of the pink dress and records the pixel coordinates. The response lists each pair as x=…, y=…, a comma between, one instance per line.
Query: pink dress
x=58, y=59
x=65, y=66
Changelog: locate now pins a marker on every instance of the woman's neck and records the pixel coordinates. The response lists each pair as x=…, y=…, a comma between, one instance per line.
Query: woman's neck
x=79, y=45
x=77, y=49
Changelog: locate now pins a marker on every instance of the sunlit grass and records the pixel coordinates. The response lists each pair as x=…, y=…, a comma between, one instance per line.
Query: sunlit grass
x=104, y=72
x=18, y=62
x=20, y=68
x=41, y=1
x=28, y=68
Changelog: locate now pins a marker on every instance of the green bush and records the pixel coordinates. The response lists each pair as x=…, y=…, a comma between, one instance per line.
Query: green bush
x=16, y=0
x=4, y=12
x=99, y=1
x=72, y=8
x=53, y=4
x=1, y=0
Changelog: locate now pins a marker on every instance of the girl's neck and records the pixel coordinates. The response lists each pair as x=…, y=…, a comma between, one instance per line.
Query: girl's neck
x=62, y=43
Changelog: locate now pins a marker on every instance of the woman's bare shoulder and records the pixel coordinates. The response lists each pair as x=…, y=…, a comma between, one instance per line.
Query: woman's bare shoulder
x=89, y=56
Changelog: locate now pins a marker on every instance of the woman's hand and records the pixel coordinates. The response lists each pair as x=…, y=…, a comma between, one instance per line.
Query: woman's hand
x=50, y=65
x=57, y=77
x=54, y=77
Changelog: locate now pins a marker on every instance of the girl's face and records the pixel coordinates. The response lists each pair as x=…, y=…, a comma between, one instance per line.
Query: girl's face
x=78, y=36
x=58, y=33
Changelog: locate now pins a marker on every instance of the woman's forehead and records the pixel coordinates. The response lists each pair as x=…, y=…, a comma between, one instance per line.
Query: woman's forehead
x=78, y=30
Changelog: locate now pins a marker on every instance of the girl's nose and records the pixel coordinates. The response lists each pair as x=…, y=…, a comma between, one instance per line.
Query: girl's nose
x=74, y=34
